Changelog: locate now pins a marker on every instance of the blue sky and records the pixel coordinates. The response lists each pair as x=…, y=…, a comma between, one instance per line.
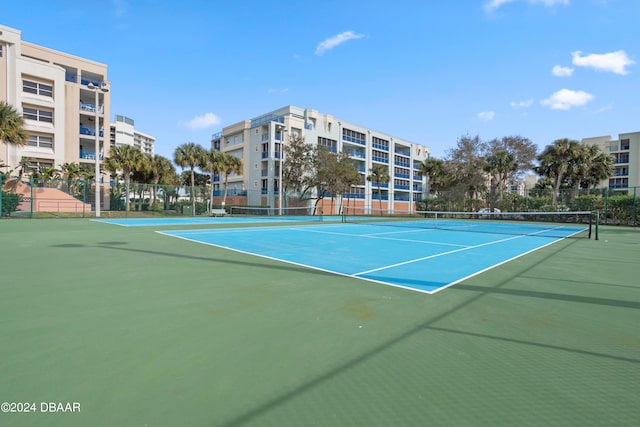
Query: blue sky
x=424, y=70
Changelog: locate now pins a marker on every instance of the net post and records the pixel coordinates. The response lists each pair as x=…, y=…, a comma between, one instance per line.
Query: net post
x=597, y=223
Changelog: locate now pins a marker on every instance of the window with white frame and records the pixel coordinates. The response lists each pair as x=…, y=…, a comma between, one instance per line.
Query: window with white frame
x=37, y=88
x=38, y=115
x=41, y=141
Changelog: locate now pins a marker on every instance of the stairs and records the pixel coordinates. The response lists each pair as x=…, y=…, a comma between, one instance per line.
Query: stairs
x=47, y=199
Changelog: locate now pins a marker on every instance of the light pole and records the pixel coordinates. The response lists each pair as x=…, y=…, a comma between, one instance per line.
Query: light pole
x=97, y=89
x=280, y=184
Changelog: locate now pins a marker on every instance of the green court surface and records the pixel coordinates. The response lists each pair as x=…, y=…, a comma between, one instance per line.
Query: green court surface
x=142, y=329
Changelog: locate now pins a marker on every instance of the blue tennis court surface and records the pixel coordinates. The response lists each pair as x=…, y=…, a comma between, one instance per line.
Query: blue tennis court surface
x=425, y=260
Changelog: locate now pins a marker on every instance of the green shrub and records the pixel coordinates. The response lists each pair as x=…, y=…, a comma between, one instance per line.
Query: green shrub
x=10, y=202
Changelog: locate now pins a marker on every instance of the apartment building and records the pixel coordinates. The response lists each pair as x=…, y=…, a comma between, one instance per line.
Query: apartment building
x=626, y=158
x=259, y=143
x=123, y=132
x=64, y=100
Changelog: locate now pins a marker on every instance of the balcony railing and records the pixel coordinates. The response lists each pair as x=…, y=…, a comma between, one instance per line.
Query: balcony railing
x=91, y=108
x=354, y=140
x=89, y=155
x=84, y=130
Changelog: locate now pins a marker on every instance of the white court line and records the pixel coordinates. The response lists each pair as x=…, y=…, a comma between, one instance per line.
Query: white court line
x=437, y=255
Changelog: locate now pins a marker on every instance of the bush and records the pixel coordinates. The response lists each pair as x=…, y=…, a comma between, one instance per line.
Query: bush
x=588, y=202
x=10, y=202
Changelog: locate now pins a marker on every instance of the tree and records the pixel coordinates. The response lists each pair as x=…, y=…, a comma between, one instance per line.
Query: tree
x=434, y=170
x=159, y=168
x=189, y=155
x=602, y=168
x=500, y=165
x=230, y=164
x=588, y=167
x=127, y=159
x=555, y=160
x=467, y=164
x=212, y=162
x=524, y=152
x=379, y=174
x=12, y=130
x=347, y=175
x=298, y=173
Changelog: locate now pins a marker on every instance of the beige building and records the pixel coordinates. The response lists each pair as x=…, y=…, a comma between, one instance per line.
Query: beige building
x=64, y=100
x=258, y=142
x=626, y=158
x=123, y=132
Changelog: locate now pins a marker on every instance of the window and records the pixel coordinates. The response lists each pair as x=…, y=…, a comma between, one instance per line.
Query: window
x=380, y=143
x=0, y=51
x=39, y=115
x=624, y=144
x=40, y=141
x=329, y=144
x=37, y=88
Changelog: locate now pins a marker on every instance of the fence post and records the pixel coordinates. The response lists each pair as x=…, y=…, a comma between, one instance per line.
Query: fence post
x=1, y=195
x=635, y=207
x=31, y=182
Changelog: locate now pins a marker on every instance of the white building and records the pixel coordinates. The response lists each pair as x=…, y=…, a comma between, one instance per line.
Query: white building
x=258, y=143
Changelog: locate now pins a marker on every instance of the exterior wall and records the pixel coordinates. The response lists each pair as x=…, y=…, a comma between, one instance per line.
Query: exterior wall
x=123, y=132
x=258, y=142
x=71, y=103
x=626, y=154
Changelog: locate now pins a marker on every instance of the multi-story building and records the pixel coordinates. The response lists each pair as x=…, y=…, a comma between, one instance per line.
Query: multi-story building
x=259, y=141
x=123, y=132
x=64, y=100
x=625, y=152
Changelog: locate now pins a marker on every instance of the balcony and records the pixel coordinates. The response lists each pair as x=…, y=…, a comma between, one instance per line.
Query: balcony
x=91, y=108
x=84, y=130
x=354, y=140
x=380, y=159
x=89, y=155
x=402, y=151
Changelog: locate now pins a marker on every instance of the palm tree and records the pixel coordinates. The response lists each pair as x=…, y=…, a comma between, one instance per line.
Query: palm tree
x=212, y=161
x=601, y=168
x=11, y=126
x=231, y=164
x=500, y=165
x=189, y=154
x=433, y=169
x=159, y=166
x=379, y=174
x=127, y=159
x=555, y=161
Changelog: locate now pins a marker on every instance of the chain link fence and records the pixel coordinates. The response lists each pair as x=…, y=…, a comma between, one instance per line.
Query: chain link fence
x=37, y=198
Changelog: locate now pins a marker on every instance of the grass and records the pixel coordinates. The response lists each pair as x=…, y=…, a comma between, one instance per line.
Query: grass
x=142, y=329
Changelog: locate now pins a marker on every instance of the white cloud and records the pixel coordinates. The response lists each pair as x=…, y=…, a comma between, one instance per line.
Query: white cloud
x=491, y=5
x=565, y=99
x=615, y=62
x=522, y=104
x=202, y=122
x=562, y=71
x=495, y=4
x=334, y=41
x=486, y=116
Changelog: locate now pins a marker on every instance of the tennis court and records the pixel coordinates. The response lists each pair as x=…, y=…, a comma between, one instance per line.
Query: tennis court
x=416, y=256
x=140, y=328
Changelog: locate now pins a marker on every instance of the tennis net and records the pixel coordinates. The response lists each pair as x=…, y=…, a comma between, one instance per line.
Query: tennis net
x=291, y=214
x=545, y=224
